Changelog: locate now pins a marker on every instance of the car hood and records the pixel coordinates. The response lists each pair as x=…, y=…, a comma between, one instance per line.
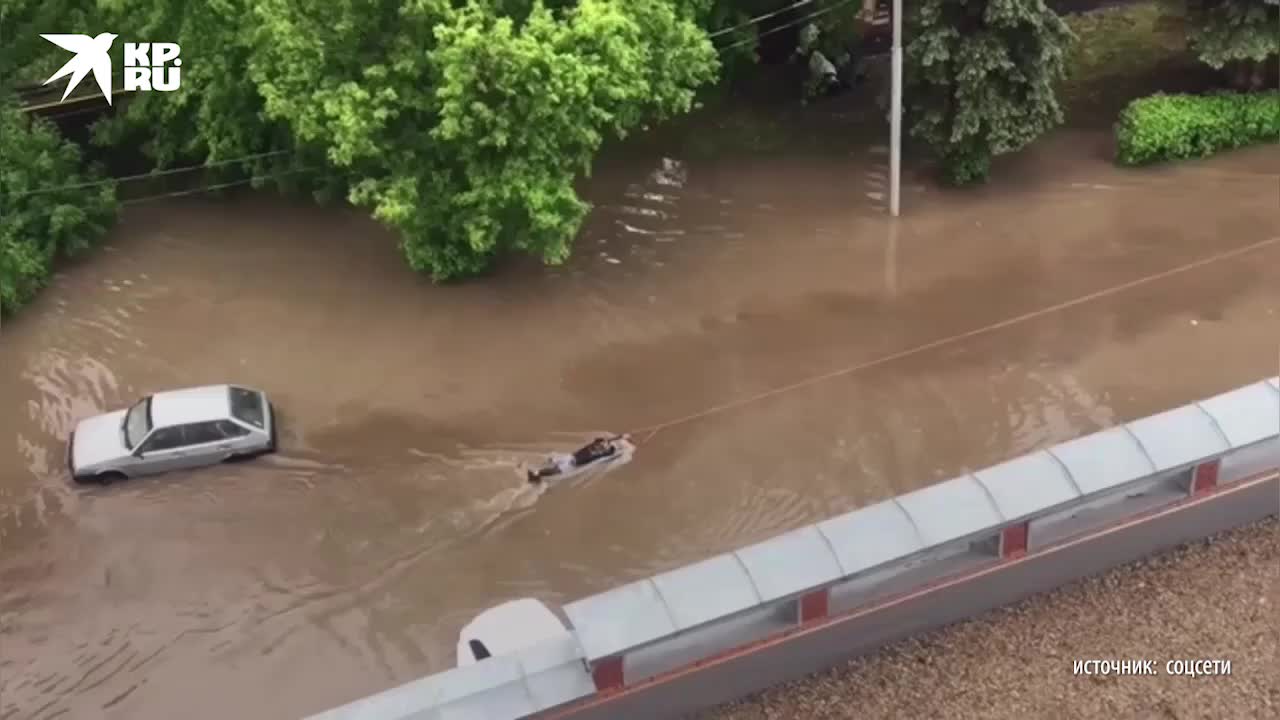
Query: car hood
x=98, y=440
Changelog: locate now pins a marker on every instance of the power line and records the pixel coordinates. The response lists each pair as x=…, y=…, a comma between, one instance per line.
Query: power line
x=814, y=15
x=758, y=18
x=146, y=176
x=33, y=90
x=218, y=186
x=72, y=100
x=143, y=176
x=72, y=113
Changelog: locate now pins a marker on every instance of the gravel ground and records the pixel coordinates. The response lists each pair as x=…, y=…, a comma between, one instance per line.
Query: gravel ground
x=1208, y=600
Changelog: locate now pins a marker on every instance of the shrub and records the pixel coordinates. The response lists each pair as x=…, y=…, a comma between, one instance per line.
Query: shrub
x=1174, y=127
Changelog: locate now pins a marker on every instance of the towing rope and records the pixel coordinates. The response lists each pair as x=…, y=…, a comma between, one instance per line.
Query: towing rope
x=652, y=430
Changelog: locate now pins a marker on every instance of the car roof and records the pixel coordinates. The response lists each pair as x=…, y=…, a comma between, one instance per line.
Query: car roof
x=189, y=405
x=513, y=626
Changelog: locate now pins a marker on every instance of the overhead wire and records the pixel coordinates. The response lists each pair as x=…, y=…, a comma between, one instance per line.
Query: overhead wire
x=153, y=174
x=144, y=176
x=811, y=16
x=72, y=113
x=35, y=90
x=759, y=18
x=72, y=100
x=217, y=186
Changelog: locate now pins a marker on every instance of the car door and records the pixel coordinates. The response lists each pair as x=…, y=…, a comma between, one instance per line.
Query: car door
x=162, y=451
x=204, y=444
x=236, y=438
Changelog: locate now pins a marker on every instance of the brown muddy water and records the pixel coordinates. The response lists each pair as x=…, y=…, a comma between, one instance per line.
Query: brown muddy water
x=394, y=512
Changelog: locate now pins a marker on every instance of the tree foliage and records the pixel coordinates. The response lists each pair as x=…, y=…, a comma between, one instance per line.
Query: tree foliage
x=218, y=114
x=1244, y=33
x=41, y=218
x=462, y=125
x=25, y=57
x=980, y=78
x=466, y=129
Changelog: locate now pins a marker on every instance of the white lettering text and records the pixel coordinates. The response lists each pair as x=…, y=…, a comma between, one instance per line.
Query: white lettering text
x=1198, y=668
x=162, y=53
x=137, y=78
x=1113, y=667
x=135, y=54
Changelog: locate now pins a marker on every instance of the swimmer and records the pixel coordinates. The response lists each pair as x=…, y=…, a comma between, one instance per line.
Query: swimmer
x=560, y=463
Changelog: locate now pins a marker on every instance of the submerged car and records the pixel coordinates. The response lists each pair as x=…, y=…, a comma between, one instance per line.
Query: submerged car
x=172, y=430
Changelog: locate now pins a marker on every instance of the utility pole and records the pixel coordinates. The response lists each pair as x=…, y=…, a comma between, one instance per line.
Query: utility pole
x=895, y=114
x=891, y=262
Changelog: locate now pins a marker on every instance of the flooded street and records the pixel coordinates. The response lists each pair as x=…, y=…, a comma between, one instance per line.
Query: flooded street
x=782, y=353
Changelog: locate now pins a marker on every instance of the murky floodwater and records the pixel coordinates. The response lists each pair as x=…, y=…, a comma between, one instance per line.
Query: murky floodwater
x=346, y=563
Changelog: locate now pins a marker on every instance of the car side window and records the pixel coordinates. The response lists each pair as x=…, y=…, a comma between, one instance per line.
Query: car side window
x=200, y=433
x=478, y=650
x=229, y=430
x=166, y=438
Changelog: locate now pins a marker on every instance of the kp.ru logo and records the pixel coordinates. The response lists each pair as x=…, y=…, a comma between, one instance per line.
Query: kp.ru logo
x=146, y=65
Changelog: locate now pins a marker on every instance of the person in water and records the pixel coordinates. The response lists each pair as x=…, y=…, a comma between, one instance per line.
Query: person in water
x=560, y=463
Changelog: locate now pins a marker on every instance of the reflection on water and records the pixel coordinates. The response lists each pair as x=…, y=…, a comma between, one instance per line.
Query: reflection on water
x=395, y=508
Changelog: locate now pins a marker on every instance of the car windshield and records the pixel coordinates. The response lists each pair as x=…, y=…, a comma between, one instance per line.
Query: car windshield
x=246, y=406
x=137, y=423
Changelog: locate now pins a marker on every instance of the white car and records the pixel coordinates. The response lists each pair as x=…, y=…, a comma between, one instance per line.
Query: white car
x=508, y=628
x=172, y=430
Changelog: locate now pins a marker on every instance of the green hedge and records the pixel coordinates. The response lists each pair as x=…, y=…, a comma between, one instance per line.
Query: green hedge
x=1175, y=127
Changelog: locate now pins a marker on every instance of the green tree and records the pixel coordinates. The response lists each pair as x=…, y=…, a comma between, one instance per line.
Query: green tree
x=217, y=114
x=25, y=57
x=464, y=129
x=463, y=126
x=980, y=77
x=41, y=218
x=1239, y=35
